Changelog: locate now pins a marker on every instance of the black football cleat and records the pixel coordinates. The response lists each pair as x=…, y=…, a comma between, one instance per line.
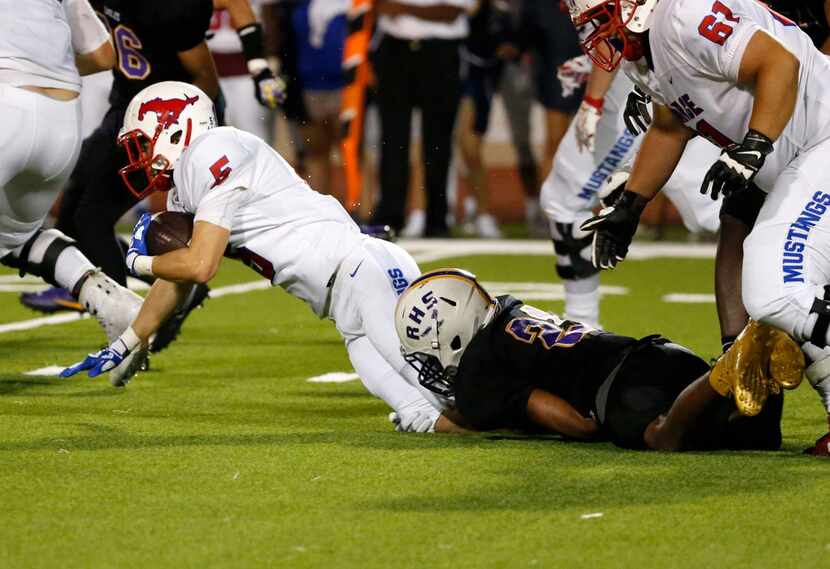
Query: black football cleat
x=168, y=331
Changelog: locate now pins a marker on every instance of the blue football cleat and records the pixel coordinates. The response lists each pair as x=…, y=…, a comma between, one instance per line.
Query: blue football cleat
x=51, y=300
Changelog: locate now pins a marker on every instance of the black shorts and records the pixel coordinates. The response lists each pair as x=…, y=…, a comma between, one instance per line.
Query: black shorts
x=557, y=44
x=645, y=387
x=480, y=85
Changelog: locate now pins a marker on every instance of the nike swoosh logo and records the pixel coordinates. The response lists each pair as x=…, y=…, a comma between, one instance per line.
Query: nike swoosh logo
x=755, y=153
x=357, y=268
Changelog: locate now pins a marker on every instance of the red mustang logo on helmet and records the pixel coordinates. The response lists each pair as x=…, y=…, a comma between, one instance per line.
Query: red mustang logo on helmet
x=167, y=110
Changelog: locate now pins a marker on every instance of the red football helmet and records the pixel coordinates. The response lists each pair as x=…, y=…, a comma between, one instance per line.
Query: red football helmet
x=605, y=24
x=160, y=122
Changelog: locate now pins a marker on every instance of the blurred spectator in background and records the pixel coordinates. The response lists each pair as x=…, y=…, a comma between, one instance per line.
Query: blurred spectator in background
x=546, y=29
x=482, y=55
x=319, y=30
x=417, y=65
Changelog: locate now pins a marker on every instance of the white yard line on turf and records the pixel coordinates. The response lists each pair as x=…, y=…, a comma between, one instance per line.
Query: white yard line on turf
x=689, y=298
x=40, y=322
x=48, y=371
x=334, y=377
x=428, y=250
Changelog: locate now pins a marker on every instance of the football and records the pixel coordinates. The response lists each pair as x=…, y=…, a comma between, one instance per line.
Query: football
x=169, y=231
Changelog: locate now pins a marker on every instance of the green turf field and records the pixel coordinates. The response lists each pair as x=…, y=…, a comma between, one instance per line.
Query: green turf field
x=225, y=456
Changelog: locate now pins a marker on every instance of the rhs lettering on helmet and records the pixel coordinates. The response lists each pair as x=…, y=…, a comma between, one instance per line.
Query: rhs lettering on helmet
x=417, y=315
x=429, y=300
x=167, y=110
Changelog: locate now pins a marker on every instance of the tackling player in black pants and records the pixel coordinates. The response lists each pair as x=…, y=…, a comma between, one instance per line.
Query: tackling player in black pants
x=512, y=366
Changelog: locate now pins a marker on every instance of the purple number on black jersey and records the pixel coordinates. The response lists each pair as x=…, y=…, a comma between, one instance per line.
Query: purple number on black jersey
x=528, y=330
x=130, y=60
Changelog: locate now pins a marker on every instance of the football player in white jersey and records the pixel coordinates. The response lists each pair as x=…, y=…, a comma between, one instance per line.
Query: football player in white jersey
x=45, y=46
x=751, y=81
x=596, y=145
x=246, y=197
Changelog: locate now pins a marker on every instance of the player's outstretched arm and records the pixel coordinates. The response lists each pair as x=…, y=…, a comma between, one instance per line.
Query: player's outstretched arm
x=198, y=63
x=196, y=263
x=771, y=71
x=659, y=154
x=557, y=415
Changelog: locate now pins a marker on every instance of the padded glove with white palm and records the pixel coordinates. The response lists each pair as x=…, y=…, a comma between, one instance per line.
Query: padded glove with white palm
x=737, y=165
x=636, y=115
x=614, y=228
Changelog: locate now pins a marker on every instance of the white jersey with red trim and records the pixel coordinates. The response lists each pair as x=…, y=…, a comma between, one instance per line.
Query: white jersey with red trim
x=280, y=227
x=697, y=48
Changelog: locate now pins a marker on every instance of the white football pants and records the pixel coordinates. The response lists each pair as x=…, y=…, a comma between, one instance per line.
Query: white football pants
x=40, y=140
x=787, y=255
x=363, y=300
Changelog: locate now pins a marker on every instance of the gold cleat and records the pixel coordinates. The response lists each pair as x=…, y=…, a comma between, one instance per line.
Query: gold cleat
x=744, y=369
x=786, y=362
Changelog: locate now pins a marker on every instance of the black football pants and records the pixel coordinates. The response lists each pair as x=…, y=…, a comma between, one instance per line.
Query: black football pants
x=96, y=198
x=421, y=74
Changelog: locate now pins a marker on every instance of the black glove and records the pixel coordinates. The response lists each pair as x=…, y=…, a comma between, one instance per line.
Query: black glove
x=737, y=165
x=636, y=115
x=614, y=228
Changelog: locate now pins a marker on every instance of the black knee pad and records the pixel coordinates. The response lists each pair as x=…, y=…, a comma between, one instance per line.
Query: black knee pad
x=821, y=307
x=570, y=263
x=744, y=205
x=45, y=268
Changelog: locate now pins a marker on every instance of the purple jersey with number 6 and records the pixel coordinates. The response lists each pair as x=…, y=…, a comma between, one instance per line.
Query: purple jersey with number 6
x=148, y=36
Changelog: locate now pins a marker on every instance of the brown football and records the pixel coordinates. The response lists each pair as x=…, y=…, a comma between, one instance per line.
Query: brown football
x=169, y=230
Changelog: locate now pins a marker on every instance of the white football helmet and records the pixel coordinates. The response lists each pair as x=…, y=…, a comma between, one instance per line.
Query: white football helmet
x=604, y=23
x=160, y=122
x=436, y=318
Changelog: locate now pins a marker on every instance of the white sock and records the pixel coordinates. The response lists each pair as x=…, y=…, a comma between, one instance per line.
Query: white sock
x=582, y=300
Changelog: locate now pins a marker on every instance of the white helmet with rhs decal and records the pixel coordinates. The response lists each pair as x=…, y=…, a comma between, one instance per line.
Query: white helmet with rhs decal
x=160, y=122
x=436, y=318
x=604, y=25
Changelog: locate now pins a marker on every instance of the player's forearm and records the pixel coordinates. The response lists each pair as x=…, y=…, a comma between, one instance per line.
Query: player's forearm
x=776, y=89
x=599, y=81
x=555, y=414
x=199, y=65
x=239, y=10
x=100, y=59
x=446, y=425
x=656, y=159
x=770, y=71
x=185, y=265
x=159, y=304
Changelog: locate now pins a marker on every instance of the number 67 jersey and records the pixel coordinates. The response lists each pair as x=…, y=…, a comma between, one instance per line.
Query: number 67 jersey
x=697, y=47
x=148, y=36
